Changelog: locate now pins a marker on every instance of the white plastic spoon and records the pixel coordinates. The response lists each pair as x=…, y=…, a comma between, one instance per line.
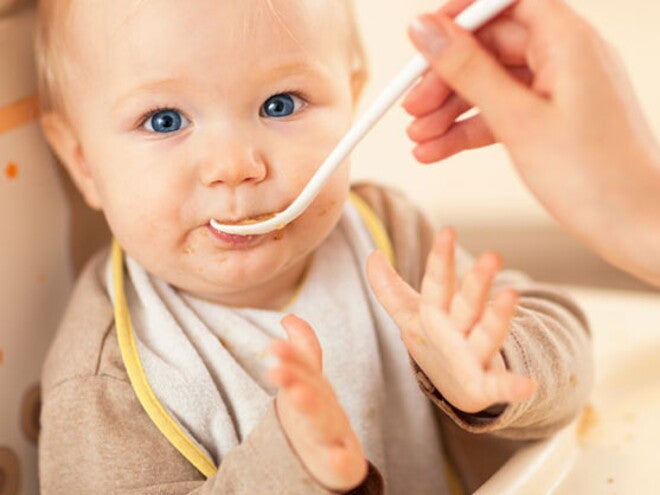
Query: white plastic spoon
x=472, y=18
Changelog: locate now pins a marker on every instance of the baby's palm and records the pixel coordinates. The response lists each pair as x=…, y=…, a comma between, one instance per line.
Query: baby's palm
x=454, y=335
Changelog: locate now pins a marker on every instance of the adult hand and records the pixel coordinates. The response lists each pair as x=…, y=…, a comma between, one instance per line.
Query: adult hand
x=556, y=95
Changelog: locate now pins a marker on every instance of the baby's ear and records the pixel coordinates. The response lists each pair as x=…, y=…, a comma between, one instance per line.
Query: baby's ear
x=359, y=77
x=64, y=142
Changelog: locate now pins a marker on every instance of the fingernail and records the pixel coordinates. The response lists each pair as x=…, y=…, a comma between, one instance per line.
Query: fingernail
x=427, y=36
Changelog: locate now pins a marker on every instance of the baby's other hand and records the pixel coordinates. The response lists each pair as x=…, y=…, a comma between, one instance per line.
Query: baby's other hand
x=455, y=335
x=312, y=417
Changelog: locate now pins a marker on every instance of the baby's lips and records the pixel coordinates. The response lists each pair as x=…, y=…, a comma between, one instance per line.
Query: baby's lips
x=252, y=220
x=248, y=220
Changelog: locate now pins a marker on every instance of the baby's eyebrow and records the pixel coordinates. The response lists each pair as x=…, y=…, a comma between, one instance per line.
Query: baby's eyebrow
x=170, y=84
x=307, y=67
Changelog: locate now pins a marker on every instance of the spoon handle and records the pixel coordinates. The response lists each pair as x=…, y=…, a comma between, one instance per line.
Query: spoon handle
x=472, y=18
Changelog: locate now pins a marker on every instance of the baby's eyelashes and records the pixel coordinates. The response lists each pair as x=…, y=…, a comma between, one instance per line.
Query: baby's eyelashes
x=165, y=121
x=170, y=120
x=282, y=105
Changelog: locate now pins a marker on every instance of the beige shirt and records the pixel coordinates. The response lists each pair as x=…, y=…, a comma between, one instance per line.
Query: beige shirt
x=96, y=438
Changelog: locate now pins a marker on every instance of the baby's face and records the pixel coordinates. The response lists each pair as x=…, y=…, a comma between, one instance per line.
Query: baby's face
x=191, y=110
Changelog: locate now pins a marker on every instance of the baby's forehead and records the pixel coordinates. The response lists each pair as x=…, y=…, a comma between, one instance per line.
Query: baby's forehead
x=99, y=41
x=302, y=20
x=233, y=28
x=229, y=33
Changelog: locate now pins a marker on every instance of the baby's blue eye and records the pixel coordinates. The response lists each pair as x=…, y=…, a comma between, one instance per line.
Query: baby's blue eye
x=281, y=105
x=166, y=121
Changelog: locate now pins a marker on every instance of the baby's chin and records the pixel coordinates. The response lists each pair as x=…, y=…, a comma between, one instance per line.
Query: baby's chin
x=232, y=280
x=250, y=295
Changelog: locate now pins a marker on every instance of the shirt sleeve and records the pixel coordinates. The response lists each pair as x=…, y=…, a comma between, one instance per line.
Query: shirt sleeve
x=96, y=438
x=549, y=342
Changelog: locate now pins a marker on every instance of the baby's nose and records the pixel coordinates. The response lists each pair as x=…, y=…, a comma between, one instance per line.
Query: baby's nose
x=233, y=164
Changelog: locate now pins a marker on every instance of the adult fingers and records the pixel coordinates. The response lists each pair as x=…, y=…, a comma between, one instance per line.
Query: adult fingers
x=467, y=134
x=505, y=38
x=472, y=72
x=546, y=18
x=427, y=95
x=436, y=123
x=454, y=7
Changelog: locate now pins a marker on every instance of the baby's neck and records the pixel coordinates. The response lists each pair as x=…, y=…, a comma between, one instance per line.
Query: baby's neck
x=272, y=295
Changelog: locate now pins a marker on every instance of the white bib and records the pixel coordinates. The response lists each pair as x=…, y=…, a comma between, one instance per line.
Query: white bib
x=206, y=362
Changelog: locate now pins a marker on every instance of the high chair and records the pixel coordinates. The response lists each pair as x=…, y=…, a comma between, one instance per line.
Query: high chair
x=37, y=273
x=40, y=223
x=47, y=234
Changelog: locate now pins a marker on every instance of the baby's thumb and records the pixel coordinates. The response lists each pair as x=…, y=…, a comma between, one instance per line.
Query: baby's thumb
x=471, y=71
x=394, y=294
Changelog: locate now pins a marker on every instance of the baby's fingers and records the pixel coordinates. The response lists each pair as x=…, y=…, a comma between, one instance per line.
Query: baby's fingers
x=468, y=304
x=397, y=298
x=508, y=388
x=287, y=353
x=298, y=385
x=439, y=278
x=303, y=338
x=313, y=398
x=488, y=336
x=343, y=459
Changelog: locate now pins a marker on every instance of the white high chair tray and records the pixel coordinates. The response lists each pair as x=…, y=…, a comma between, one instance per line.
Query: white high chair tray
x=612, y=448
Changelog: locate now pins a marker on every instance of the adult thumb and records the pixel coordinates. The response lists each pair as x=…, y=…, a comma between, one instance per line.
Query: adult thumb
x=472, y=72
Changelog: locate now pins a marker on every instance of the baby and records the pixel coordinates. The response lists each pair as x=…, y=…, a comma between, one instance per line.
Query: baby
x=168, y=114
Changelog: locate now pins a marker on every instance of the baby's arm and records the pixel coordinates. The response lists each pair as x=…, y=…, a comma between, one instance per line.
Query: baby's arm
x=484, y=352
x=548, y=339
x=96, y=438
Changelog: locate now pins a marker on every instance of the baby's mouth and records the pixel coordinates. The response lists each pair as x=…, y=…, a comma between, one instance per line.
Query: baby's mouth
x=216, y=225
x=251, y=220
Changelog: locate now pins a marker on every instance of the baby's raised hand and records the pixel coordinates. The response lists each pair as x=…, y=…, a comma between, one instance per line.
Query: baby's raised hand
x=313, y=419
x=454, y=334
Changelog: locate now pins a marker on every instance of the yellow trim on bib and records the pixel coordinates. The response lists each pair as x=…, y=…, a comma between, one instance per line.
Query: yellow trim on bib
x=374, y=225
x=18, y=113
x=143, y=390
x=154, y=409
x=375, y=228
x=383, y=243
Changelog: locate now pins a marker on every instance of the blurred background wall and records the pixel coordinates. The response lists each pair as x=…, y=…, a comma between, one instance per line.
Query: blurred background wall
x=478, y=192
x=47, y=232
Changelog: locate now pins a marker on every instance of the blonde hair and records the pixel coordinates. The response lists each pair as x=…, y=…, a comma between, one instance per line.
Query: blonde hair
x=359, y=55
x=50, y=42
